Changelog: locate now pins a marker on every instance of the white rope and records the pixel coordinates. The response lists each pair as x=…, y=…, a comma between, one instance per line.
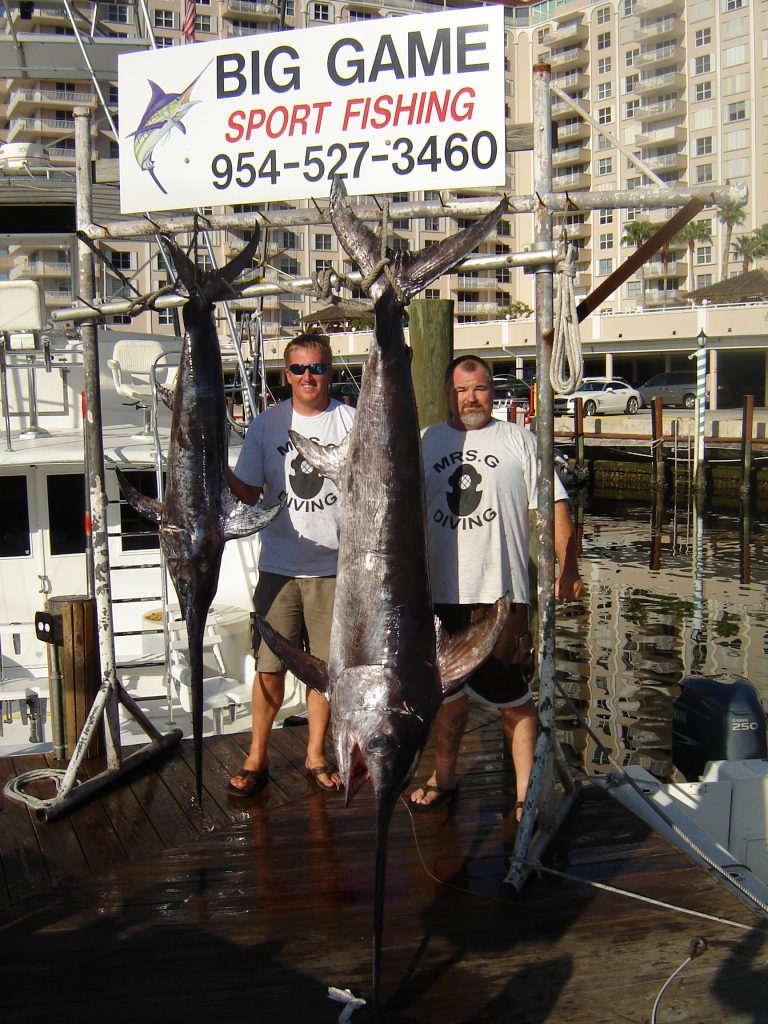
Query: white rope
x=14, y=788
x=698, y=946
x=352, y=1003
x=567, y=366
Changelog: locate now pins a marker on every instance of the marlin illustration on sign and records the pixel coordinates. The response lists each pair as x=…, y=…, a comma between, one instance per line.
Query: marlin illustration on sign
x=199, y=513
x=390, y=664
x=164, y=113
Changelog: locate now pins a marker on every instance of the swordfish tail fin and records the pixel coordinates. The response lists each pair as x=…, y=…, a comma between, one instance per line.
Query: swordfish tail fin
x=412, y=271
x=214, y=284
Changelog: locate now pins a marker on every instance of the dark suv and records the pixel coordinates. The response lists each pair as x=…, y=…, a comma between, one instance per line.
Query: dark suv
x=507, y=387
x=678, y=387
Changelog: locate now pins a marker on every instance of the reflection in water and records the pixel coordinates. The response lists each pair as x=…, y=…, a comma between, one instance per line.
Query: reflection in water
x=623, y=649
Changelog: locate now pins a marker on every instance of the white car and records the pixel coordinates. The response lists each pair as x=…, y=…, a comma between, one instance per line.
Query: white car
x=601, y=395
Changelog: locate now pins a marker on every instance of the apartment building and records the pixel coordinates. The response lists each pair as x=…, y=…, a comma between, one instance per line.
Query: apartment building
x=680, y=87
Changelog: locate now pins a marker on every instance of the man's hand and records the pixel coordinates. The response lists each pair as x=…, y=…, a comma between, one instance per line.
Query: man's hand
x=569, y=586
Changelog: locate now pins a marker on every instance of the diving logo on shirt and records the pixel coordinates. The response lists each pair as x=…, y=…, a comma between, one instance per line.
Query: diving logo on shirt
x=464, y=492
x=305, y=484
x=304, y=479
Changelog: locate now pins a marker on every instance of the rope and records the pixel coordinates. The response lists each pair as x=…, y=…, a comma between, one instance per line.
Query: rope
x=567, y=365
x=698, y=946
x=14, y=787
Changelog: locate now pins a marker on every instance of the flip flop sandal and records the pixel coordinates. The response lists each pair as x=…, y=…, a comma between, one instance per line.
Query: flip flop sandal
x=443, y=796
x=322, y=769
x=255, y=781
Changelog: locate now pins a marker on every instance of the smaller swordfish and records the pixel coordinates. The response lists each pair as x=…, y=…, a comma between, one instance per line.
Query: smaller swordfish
x=390, y=663
x=199, y=513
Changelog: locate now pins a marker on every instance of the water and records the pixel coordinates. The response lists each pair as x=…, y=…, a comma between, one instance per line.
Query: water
x=667, y=594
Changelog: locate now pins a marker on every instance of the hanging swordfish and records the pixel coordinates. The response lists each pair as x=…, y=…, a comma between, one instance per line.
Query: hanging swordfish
x=390, y=663
x=199, y=513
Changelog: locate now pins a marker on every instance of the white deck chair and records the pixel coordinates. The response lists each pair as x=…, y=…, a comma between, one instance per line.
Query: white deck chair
x=131, y=365
x=220, y=692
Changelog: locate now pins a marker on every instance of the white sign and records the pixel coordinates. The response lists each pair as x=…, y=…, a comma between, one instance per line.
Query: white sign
x=391, y=105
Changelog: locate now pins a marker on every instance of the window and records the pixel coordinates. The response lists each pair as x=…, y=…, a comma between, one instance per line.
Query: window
x=605, y=267
x=606, y=241
x=702, y=65
x=605, y=165
x=203, y=23
x=165, y=317
x=323, y=243
x=321, y=265
x=203, y=260
x=704, y=145
x=604, y=90
x=606, y=217
x=164, y=19
x=361, y=15
x=604, y=40
x=401, y=223
x=163, y=41
x=703, y=253
x=733, y=5
x=431, y=223
x=502, y=275
x=604, y=65
x=736, y=111
x=604, y=115
x=603, y=143
x=431, y=293
x=66, y=513
x=631, y=109
x=704, y=280
x=290, y=8
x=14, y=518
x=137, y=532
x=702, y=91
x=400, y=244
x=288, y=265
x=630, y=82
x=116, y=12
x=736, y=140
x=630, y=57
x=629, y=8
x=703, y=174
x=123, y=260
x=603, y=15
x=320, y=12
x=121, y=318
x=702, y=37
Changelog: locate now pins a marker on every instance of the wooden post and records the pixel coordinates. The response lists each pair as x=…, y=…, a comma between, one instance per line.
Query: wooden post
x=80, y=669
x=747, y=417
x=578, y=426
x=657, y=444
x=431, y=337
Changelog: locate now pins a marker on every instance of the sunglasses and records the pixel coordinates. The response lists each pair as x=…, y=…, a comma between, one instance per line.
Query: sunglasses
x=316, y=369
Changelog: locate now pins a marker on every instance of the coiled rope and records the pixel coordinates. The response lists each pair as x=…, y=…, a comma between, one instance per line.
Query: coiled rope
x=567, y=365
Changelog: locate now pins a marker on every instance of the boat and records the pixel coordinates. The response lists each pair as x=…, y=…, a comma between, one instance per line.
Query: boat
x=43, y=541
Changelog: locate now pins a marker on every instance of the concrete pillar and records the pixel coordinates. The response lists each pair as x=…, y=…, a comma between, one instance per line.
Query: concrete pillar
x=609, y=364
x=712, y=379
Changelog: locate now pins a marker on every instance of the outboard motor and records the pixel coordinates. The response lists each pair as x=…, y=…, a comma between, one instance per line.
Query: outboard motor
x=716, y=720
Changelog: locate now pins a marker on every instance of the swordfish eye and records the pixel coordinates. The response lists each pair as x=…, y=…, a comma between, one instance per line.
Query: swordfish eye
x=381, y=743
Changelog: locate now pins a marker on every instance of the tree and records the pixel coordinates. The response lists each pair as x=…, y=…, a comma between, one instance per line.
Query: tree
x=693, y=232
x=748, y=248
x=730, y=214
x=636, y=232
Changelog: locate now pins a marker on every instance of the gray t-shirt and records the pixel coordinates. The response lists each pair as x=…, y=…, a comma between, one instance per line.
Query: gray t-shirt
x=480, y=485
x=304, y=538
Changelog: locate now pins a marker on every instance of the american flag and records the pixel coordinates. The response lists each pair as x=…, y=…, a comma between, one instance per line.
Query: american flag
x=188, y=27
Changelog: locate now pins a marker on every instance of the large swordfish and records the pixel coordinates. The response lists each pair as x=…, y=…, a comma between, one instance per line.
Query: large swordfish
x=199, y=513
x=390, y=663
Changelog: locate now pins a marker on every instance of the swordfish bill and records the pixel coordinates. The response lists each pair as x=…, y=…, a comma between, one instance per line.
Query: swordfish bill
x=390, y=664
x=199, y=513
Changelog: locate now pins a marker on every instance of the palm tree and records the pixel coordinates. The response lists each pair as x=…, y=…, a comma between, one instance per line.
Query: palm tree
x=693, y=232
x=748, y=248
x=730, y=214
x=636, y=232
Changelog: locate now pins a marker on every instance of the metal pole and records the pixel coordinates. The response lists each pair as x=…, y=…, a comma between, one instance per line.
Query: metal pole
x=95, y=445
x=747, y=417
x=701, y=407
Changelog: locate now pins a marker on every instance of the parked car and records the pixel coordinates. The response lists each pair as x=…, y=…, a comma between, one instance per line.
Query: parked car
x=507, y=388
x=678, y=387
x=601, y=395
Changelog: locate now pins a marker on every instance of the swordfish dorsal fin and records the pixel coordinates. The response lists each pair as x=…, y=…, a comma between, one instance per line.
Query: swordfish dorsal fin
x=458, y=656
x=326, y=459
x=150, y=508
x=412, y=271
x=310, y=670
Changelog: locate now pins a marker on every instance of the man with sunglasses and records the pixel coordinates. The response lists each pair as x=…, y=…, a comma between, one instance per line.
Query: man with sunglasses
x=297, y=559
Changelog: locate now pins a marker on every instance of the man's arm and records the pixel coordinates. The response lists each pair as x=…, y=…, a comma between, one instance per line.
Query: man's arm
x=247, y=493
x=568, y=585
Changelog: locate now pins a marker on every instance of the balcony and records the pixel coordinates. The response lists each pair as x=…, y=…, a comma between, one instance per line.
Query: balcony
x=561, y=35
x=573, y=80
x=573, y=231
x=647, y=8
x=652, y=55
x=477, y=308
x=672, y=81
x=674, y=134
x=58, y=297
x=571, y=182
x=579, y=130
x=667, y=162
x=573, y=58
x=570, y=156
x=42, y=126
x=32, y=100
x=254, y=10
x=563, y=109
x=663, y=109
x=31, y=268
x=481, y=284
x=665, y=28
x=582, y=282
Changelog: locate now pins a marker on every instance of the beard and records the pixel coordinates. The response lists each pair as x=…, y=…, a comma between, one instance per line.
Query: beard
x=473, y=418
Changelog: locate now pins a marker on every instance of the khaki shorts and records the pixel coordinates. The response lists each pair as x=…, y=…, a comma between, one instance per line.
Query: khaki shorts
x=503, y=678
x=300, y=608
